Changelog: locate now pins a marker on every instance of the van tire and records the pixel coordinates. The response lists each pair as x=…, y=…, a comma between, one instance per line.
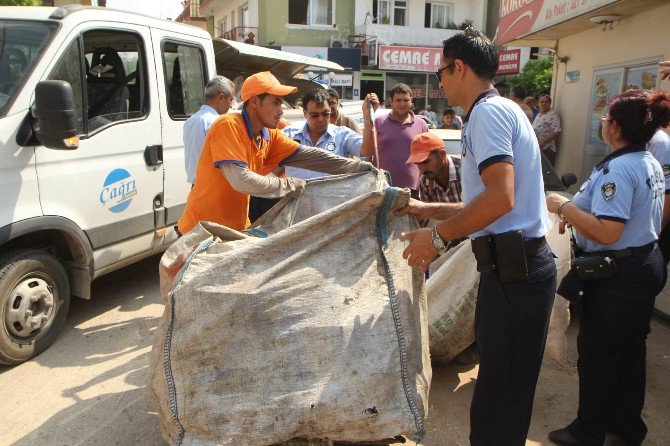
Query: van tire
x=34, y=300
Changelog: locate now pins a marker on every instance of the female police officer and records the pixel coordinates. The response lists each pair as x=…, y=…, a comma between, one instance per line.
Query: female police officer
x=617, y=218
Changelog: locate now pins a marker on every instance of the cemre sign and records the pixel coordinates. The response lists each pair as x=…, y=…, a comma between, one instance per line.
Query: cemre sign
x=409, y=58
x=508, y=62
x=518, y=18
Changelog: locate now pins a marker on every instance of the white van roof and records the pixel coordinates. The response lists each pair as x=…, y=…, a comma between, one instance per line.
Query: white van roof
x=81, y=13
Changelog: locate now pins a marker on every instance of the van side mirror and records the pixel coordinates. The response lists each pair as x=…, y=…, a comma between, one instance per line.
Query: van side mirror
x=56, y=117
x=568, y=179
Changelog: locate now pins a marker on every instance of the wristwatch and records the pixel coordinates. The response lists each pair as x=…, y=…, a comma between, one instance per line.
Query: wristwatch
x=438, y=242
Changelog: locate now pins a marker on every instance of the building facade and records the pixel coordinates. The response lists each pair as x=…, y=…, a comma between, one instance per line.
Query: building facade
x=601, y=48
x=379, y=42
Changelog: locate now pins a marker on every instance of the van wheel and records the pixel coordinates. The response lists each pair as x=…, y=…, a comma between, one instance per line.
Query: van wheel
x=34, y=299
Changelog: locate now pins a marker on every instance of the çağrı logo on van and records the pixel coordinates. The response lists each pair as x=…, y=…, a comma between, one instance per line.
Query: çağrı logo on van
x=118, y=190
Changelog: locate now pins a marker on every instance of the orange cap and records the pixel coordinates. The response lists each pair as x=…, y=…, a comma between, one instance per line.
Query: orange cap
x=283, y=122
x=264, y=82
x=422, y=145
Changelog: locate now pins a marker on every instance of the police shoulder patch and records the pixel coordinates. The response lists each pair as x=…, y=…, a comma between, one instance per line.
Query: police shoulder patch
x=609, y=190
x=666, y=170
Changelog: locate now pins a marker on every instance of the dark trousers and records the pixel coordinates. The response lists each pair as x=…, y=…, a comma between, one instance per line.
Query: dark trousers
x=511, y=323
x=612, y=350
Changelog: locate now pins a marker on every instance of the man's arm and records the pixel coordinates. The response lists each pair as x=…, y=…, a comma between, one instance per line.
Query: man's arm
x=496, y=200
x=313, y=158
x=666, y=210
x=248, y=182
x=368, y=148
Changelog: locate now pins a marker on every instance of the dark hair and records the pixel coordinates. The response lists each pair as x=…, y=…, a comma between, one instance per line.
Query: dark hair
x=640, y=113
x=332, y=92
x=449, y=111
x=518, y=91
x=319, y=96
x=402, y=89
x=474, y=49
x=261, y=97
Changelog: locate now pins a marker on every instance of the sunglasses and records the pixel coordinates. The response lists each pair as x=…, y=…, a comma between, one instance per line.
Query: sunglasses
x=438, y=73
x=315, y=115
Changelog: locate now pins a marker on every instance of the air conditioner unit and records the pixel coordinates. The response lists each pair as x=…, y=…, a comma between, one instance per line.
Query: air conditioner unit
x=339, y=43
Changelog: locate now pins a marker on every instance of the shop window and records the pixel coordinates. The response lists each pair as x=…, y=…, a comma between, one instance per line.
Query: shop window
x=390, y=12
x=439, y=15
x=185, y=78
x=311, y=12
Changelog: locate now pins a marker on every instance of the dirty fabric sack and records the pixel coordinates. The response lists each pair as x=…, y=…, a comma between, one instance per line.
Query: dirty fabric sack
x=452, y=298
x=310, y=324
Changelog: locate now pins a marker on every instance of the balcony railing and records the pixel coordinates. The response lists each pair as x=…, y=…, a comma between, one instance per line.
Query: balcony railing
x=191, y=10
x=405, y=35
x=245, y=34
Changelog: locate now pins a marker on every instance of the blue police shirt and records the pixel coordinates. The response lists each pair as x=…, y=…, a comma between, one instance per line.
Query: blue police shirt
x=195, y=131
x=659, y=146
x=497, y=130
x=627, y=186
x=341, y=141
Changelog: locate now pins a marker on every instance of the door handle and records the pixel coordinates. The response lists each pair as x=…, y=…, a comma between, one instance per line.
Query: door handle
x=153, y=155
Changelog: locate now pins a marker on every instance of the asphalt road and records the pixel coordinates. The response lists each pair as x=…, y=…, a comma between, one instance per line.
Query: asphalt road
x=89, y=388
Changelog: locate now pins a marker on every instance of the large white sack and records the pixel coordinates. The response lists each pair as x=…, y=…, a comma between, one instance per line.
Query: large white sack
x=452, y=297
x=316, y=331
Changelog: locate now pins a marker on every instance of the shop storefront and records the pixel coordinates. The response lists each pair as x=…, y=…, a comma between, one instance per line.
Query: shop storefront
x=414, y=66
x=602, y=48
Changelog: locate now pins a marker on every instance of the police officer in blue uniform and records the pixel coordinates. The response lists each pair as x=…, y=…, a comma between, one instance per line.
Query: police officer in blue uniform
x=619, y=270
x=505, y=215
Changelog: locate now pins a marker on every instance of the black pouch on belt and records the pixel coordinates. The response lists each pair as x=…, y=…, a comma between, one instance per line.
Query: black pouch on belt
x=511, y=256
x=595, y=267
x=571, y=287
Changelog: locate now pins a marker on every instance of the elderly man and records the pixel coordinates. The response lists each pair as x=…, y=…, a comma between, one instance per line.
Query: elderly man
x=505, y=214
x=219, y=97
x=239, y=147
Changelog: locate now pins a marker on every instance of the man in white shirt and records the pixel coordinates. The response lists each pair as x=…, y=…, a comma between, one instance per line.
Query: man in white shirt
x=219, y=97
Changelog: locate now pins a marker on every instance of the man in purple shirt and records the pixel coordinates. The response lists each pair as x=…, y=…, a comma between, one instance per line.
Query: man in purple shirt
x=395, y=132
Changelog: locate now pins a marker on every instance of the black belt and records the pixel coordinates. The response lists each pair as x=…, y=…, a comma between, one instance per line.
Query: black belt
x=531, y=246
x=623, y=253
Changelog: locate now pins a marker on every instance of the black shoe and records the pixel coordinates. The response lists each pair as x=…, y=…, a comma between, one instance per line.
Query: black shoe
x=564, y=438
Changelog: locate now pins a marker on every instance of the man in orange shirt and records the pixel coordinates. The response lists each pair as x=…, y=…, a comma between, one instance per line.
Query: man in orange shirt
x=239, y=147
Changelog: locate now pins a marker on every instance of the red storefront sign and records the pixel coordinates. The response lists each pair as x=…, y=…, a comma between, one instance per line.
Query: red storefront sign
x=509, y=62
x=409, y=58
x=519, y=18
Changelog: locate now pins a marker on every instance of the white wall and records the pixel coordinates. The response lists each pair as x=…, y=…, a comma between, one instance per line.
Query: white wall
x=231, y=6
x=463, y=9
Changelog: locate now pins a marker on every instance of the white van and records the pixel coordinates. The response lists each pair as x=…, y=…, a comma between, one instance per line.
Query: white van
x=92, y=107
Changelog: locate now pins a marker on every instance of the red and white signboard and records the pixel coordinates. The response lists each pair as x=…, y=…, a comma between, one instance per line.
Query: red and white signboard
x=509, y=62
x=409, y=58
x=519, y=18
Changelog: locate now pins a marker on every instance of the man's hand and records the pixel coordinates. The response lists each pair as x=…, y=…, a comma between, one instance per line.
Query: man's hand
x=370, y=98
x=553, y=201
x=366, y=166
x=297, y=186
x=563, y=225
x=421, y=210
x=420, y=251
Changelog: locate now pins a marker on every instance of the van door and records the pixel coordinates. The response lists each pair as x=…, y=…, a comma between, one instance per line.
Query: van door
x=112, y=183
x=184, y=65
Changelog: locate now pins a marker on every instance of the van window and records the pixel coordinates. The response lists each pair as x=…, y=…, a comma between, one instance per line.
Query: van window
x=111, y=80
x=185, y=78
x=21, y=45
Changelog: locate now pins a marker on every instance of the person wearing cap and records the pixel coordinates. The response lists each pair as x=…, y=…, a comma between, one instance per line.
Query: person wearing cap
x=440, y=174
x=238, y=147
x=505, y=215
x=219, y=97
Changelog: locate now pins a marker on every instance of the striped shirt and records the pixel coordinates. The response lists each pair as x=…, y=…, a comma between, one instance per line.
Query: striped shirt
x=431, y=192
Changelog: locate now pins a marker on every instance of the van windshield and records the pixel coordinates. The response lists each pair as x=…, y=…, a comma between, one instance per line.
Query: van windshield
x=21, y=45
